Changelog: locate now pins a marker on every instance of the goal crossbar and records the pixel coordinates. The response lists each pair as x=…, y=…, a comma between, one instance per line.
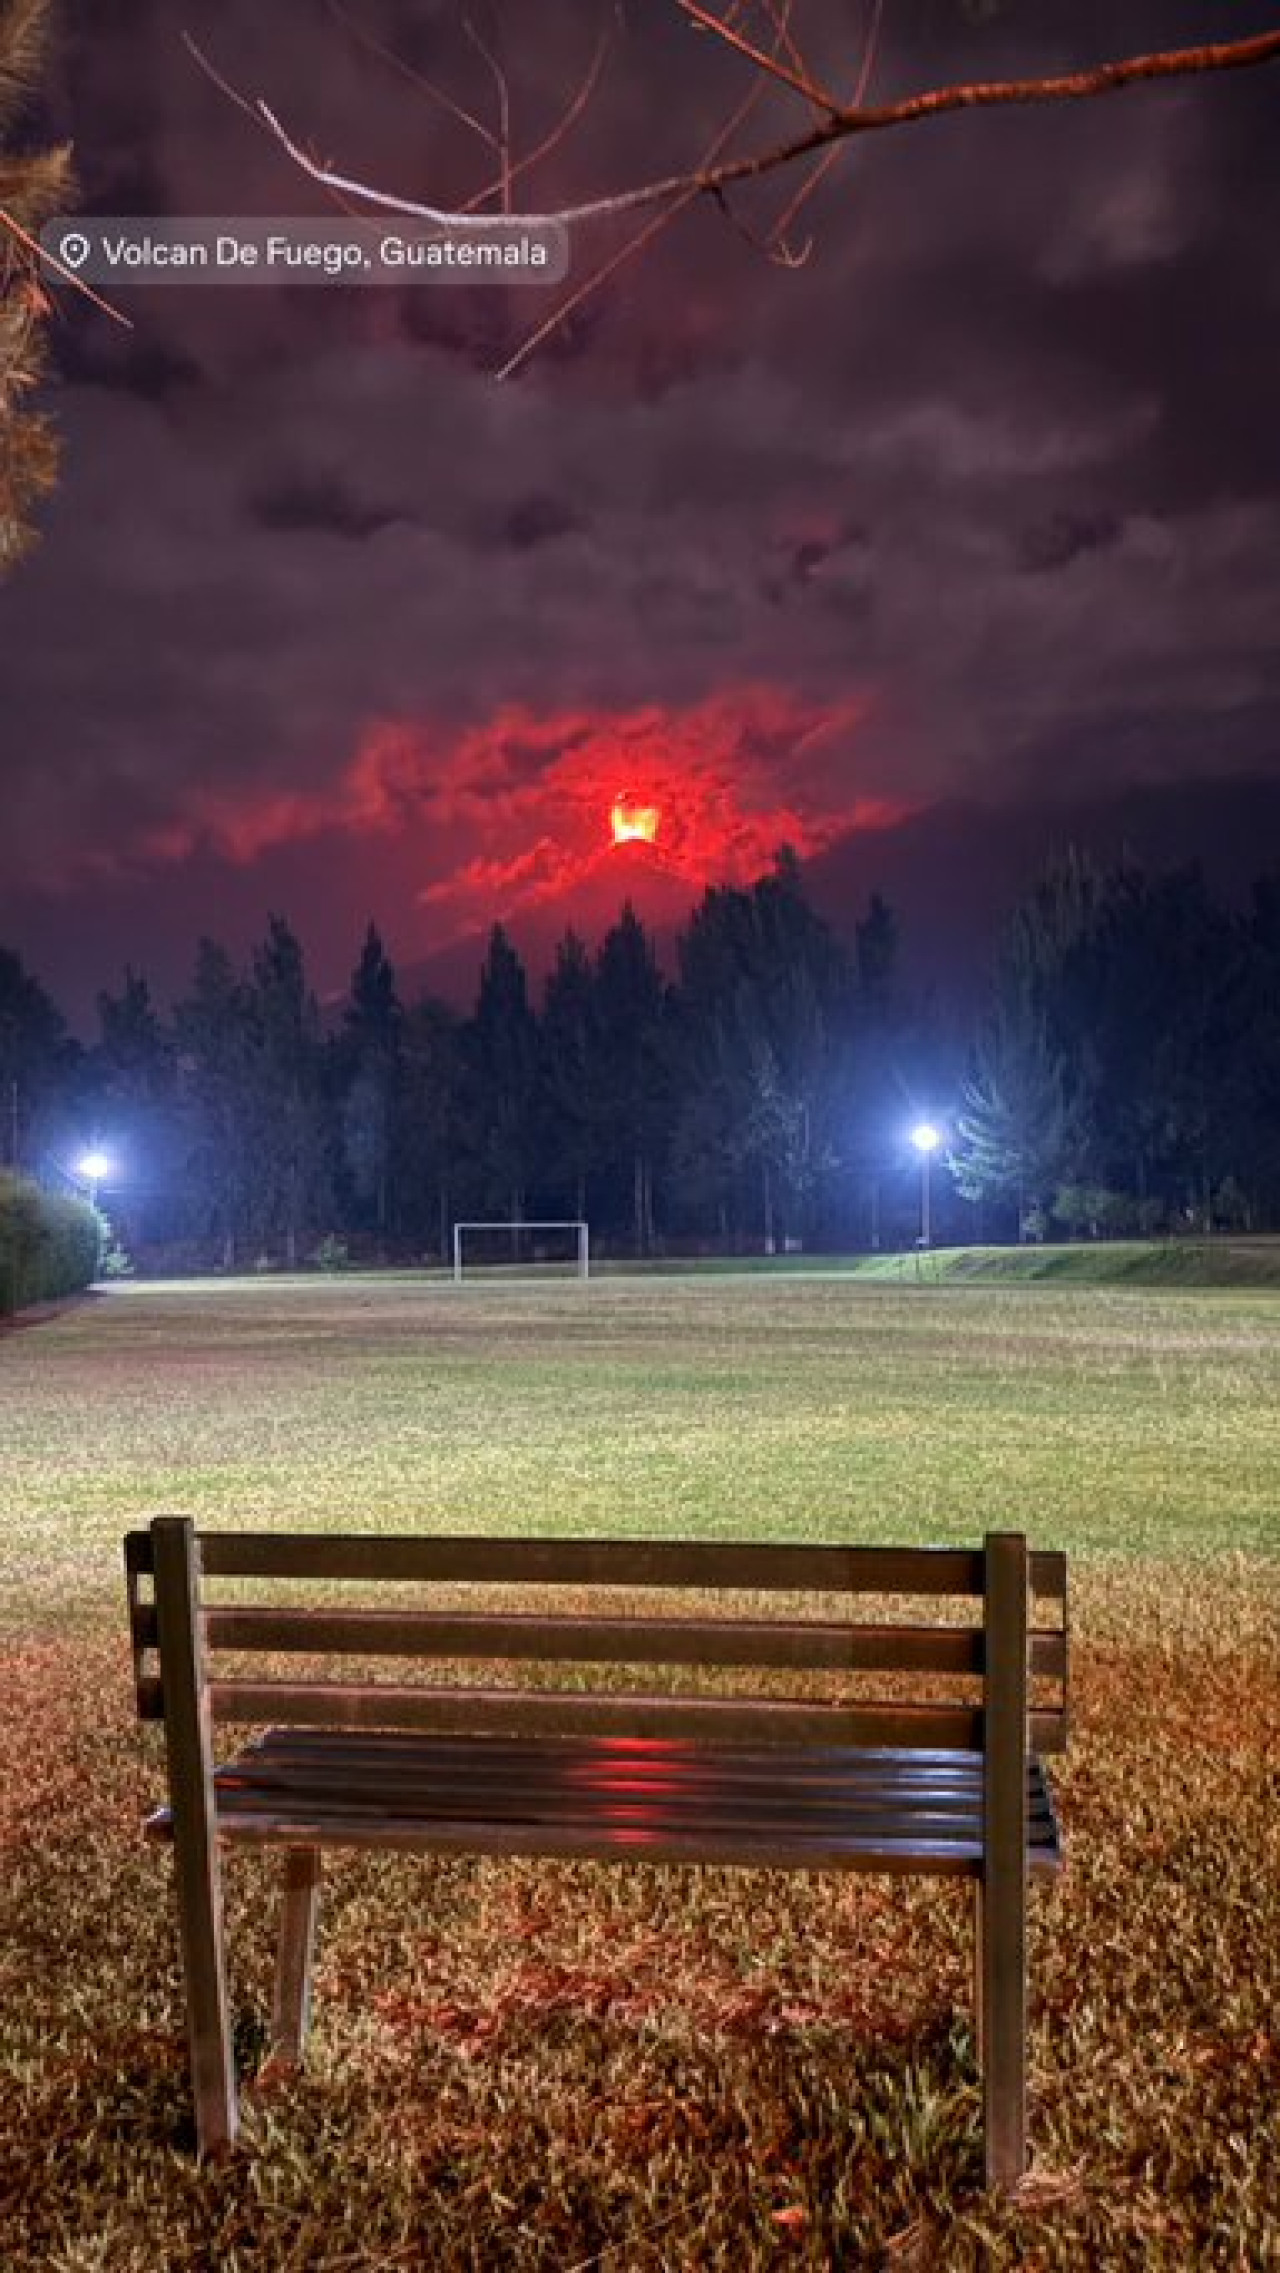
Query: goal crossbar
x=515, y=1228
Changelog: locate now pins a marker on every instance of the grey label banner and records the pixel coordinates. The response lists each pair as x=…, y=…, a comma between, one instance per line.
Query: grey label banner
x=111, y=252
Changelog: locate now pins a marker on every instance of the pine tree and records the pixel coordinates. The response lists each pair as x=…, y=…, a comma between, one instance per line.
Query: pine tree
x=287, y=1091
x=132, y=1074
x=38, y=1063
x=501, y=1070
x=430, y=1128
x=1014, y=1138
x=568, y=1073
x=215, y=1035
x=370, y=1056
x=765, y=1020
x=630, y=1002
x=33, y=185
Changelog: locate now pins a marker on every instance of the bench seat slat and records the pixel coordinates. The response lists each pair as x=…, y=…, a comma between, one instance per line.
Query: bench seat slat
x=392, y=1751
x=856, y=1809
x=610, y=1792
x=285, y=1756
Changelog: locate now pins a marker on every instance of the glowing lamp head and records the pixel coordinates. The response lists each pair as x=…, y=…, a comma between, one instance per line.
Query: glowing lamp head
x=925, y=1137
x=93, y=1166
x=632, y=823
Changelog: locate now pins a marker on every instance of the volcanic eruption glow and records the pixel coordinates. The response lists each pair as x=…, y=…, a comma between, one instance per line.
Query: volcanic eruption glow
x=632, y=822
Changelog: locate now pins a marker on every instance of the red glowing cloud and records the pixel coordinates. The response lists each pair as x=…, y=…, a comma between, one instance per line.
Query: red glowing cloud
x=715, y=789
x=526, y=807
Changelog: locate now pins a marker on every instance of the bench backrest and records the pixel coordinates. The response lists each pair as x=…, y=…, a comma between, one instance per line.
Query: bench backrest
x=863, y=1617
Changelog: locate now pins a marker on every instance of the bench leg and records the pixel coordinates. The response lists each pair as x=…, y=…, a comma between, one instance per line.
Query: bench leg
x=197, y=1876
x=300, y=1901
x=213, y=2072
x=979, y=2031
x=1002, y=2006
x=1003, y=1942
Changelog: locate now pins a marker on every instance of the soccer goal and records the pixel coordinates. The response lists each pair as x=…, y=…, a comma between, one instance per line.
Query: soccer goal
x=560, y=1250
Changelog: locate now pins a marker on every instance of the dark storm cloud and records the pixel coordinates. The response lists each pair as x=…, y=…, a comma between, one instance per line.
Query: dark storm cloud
x=993, y=481
x=536, y=520
x=1054, y=543
x=318, y=501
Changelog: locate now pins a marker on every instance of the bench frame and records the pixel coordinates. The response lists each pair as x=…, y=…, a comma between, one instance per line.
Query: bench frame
x=177, y=1622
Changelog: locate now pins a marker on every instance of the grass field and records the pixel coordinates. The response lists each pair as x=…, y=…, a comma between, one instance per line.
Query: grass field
x=562, y=2067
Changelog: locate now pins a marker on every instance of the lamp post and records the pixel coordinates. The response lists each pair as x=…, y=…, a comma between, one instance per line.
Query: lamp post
x=926, y=1139
x=95, y=1168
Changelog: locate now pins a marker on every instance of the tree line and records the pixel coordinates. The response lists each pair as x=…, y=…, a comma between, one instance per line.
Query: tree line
x=1122, y=1076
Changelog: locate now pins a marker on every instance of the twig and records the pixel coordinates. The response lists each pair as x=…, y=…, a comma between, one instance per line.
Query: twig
x=504, y=113
x=777, y=236
x=406, y=70
x=787, y=44
x=798, y=81
x=34, y=246
x=597, y=277
x=636, y=244
x=568, y=117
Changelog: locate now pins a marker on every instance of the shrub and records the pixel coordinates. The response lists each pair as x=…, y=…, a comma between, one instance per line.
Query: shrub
x=49, y=1245
x=1093, y=1211
x=332, y=1254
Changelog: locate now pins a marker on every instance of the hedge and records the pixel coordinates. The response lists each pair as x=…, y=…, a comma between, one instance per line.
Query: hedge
x=49, y=1245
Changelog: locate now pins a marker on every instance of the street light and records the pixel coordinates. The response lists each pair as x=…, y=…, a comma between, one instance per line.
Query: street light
x=95, y=1167
x=926, y=1139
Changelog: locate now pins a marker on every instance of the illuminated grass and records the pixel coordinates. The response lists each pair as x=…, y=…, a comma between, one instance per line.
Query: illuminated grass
x=523, y=2065
x=1101, y=1419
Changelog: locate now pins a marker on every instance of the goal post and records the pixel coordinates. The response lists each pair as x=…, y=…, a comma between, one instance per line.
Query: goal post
x=481, y=1244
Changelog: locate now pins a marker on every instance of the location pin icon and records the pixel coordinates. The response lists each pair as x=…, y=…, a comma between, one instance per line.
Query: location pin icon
x=74, y=249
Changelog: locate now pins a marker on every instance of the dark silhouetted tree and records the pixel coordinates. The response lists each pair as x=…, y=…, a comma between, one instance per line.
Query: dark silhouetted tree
x=38, y=1066
x=133, y=1082
x=369, y=1054
x=430, y=1144
x=287, y=1091
x=629, y=1069
x=569, y=1069
x=215, y=1037
x=765, y=1018
x=500, y=1049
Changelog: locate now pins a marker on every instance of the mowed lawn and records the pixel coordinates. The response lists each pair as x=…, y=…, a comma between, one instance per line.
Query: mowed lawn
x=531, y=2065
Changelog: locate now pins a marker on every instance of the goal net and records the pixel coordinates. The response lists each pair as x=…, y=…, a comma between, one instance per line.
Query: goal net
x=554, y=1250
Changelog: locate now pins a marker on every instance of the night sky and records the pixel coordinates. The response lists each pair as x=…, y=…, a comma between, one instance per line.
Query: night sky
x=960, y=542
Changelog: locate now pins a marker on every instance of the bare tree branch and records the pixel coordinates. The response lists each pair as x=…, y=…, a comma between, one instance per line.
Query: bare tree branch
x=504, y=113
x=37, y=253
x=737, y=118
x=592, y=283
x=798, y=81
x=1076, y=86
x=776, y=241
x=568, y=118
x=416, y=78
x=787, y=43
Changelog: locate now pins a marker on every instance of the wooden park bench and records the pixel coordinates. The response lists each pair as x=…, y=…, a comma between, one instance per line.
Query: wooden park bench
x=941, y=1776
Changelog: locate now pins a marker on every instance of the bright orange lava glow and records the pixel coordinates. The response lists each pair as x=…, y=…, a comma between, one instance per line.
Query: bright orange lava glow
x=631, y=822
